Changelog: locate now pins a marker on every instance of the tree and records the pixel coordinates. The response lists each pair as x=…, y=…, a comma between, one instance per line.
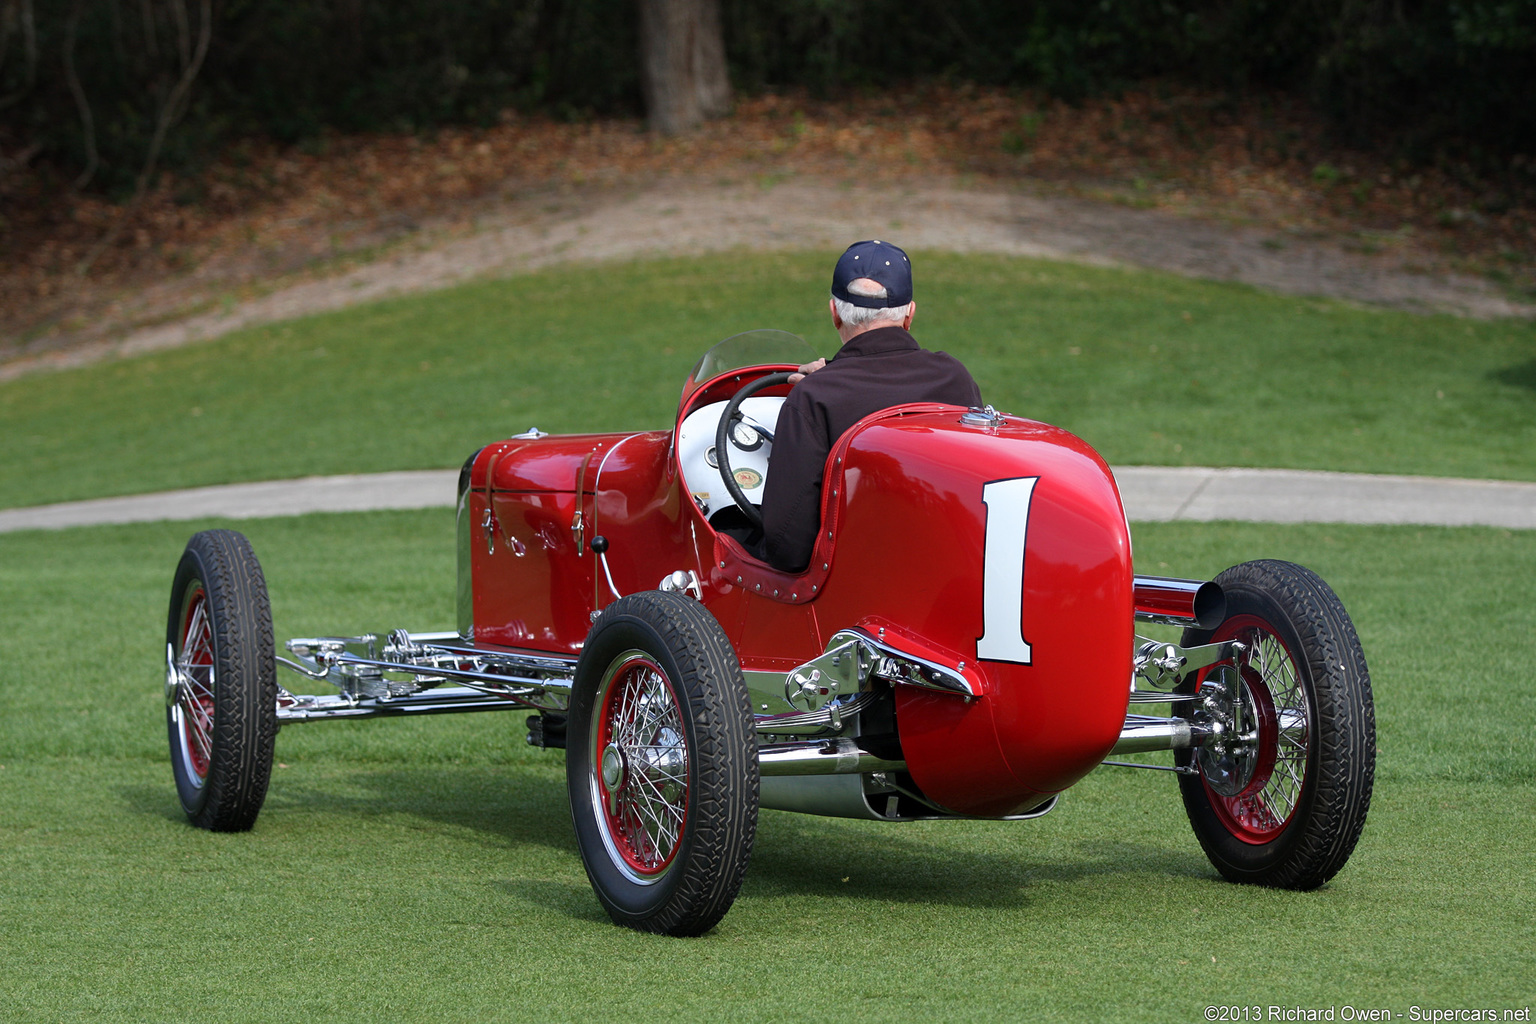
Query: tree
x=682, y=63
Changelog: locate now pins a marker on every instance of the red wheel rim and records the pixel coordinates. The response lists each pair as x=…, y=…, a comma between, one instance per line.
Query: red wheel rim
x=640, y=766
x=1265, y=806
x=194, y=706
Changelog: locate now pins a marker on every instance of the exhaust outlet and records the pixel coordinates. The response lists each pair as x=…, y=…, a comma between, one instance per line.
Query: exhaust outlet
x=1175, y=602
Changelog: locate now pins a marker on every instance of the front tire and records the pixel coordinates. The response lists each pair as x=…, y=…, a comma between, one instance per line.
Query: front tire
x=661, y=765
x=1281, y=799
x=221, y=682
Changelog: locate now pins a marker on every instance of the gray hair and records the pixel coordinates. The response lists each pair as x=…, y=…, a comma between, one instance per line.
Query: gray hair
x=858, y=316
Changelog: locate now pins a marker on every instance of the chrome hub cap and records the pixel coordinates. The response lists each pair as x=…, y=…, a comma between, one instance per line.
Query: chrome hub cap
x=613, y=775
x=1228, y=760
x=174, y=684
x=665, y=761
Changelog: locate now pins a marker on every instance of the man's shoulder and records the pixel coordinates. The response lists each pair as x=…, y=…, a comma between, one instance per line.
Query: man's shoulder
x=941, y=354
x=941, y=359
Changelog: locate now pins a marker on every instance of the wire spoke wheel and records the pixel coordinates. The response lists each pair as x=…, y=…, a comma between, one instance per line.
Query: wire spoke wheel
x=1283, y=785
x=661, y=765
x=220, y=682
x=640, y=780
x=190, y=688
x=1255, y=781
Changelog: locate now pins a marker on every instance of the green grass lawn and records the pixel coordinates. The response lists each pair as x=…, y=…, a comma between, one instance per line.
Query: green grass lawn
x=426, y=869
x=1148, y=367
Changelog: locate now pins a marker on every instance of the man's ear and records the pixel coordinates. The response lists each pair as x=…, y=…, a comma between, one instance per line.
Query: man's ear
x=837, y=321
x=906, y=323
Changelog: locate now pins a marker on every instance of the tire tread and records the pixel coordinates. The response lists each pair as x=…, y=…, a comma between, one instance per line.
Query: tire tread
x=245, y=687
x=726, y=786
x=1342, y=737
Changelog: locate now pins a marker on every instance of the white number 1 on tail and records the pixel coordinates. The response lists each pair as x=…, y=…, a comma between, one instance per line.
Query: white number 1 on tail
x=1002, y=570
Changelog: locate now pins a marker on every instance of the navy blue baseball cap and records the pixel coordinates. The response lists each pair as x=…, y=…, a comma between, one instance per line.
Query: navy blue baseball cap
x=882, y=263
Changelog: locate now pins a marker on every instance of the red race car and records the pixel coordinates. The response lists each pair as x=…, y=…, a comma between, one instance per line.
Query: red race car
x=962, y=645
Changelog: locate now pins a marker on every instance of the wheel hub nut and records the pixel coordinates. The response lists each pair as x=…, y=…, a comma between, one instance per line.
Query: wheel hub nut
x=612, y=767
x=173, y=682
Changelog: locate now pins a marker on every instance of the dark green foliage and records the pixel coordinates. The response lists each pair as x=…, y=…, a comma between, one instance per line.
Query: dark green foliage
x=292, y=68
x=1431, y=71
x=300, y=65
x=1425, y=78
x=1408, y=74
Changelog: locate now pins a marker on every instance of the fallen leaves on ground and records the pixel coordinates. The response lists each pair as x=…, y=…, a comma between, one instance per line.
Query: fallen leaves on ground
x=263, y=211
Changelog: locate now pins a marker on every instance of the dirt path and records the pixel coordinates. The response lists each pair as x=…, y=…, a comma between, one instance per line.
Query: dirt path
x=684, y=217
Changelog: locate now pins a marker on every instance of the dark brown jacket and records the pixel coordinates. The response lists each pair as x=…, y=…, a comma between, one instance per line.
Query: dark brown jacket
x=873, y=371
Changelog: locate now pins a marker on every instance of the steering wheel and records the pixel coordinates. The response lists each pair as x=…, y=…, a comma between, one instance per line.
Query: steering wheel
x=722, y=443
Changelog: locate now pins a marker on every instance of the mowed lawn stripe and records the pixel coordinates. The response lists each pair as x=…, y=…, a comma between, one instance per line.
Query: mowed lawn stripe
x=1150, y=368
x=425, y=869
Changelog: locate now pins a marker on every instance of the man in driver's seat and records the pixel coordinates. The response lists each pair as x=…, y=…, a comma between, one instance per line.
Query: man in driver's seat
x=878, y=366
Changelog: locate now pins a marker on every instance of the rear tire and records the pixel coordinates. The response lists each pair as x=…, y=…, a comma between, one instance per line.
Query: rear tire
x=221, y=685
x=661, y=765
x=1286, y=806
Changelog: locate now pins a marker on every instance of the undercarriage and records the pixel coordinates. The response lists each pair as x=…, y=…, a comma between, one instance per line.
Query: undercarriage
x=826, y=735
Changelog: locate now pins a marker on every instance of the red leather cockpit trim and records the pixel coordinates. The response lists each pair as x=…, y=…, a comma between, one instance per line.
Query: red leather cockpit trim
x=732, y=565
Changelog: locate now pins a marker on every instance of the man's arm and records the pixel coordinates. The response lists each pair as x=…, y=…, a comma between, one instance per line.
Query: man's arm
x=792, y=495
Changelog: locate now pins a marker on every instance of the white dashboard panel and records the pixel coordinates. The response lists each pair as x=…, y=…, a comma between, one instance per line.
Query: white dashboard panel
x=695, y=446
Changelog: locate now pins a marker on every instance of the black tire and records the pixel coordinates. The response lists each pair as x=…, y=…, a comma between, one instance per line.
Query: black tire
x=1287, y=808
x=221, y=685
x=661, y=731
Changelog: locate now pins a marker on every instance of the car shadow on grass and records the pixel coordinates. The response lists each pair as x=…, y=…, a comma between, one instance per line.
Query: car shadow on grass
x=1522, y=375
x=158, y=802
x=956, y=863
x=506, y=806
x=964, y=863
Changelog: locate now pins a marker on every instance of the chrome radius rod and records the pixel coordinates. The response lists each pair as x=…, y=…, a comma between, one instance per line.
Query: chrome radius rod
x=293, y=707
x=490, y=682
x=500, y=674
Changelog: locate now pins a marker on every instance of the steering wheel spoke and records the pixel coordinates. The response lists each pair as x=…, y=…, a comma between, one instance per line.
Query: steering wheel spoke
x=725, y=438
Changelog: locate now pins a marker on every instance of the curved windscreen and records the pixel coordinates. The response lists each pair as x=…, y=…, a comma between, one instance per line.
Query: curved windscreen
x=754, y=348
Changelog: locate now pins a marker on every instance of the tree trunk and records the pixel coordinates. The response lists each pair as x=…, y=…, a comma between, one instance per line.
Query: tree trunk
x=682, y=63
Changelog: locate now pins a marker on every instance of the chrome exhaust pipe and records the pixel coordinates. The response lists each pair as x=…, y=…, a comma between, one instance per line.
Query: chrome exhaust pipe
x=826, y=757
x=1175, y=602
x=1144, y=732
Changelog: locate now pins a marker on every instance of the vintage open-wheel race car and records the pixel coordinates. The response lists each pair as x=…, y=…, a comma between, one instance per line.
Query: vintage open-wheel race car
x=962, y=645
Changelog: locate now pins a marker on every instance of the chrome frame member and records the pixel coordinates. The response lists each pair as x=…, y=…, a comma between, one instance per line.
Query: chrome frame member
x=816, y=698
x=1216, y=717
x=403, y=672
x=1158, y=669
